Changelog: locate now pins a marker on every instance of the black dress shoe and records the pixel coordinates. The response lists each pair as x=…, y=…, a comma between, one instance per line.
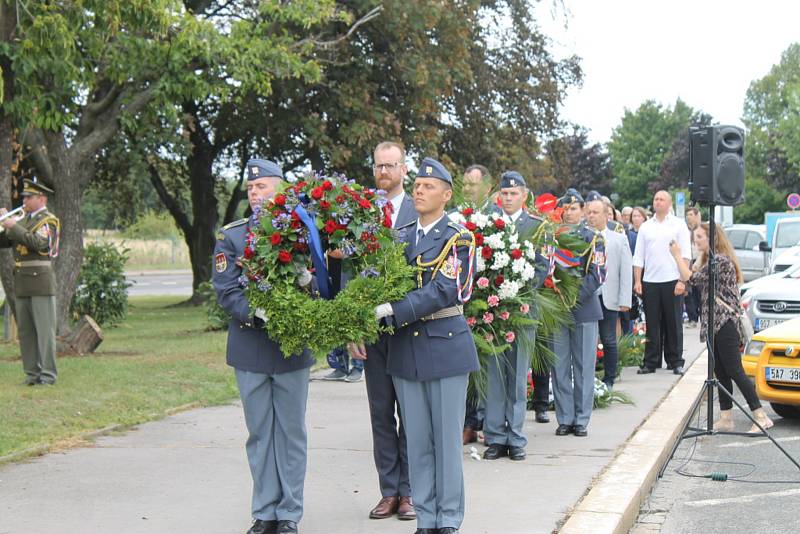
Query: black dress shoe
x=495, y=451
x=448, y=530
x=427, y=531
x=516, y=454
x=542, y=417
x=645, y=371
x=30, y=382
x=581, y=431
x=563, y=430
x=286, y=527
x=261, y=526
x=678, y=370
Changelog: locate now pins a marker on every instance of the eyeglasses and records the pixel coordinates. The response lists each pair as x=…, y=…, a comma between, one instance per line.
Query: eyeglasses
x=386, y=167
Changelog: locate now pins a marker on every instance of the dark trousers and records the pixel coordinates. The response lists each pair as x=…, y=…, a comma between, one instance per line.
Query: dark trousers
x=608, y=336
x=664, y=315
x=473, y=416
x=693, y=304
x=728, y=368
x=541, y=391
x=388, y=434
x=625, y=322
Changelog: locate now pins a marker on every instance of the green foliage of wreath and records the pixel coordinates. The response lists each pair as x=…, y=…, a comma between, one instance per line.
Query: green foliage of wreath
x=296, y=321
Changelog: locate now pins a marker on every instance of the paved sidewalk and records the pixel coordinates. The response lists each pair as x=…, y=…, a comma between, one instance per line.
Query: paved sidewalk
x=188, y=472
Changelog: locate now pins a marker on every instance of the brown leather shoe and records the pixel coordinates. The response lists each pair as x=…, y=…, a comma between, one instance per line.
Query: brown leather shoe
x=469, y=435
x=386, y=507
x=405, y=511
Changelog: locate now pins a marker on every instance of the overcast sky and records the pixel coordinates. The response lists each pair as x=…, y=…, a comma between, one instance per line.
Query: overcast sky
x=704, y=51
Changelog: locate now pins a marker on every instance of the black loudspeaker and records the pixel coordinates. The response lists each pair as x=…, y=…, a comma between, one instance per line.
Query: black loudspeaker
x=717, y=165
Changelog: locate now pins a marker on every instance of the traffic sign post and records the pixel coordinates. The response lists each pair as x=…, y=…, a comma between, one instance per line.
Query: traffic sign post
x=793, y=200
x=680, y=204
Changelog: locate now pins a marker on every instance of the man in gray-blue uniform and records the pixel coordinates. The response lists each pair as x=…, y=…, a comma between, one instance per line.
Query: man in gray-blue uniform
x=388, y=434
x=431, y=352
x=576, y=345
x=273, y=388
x=507, y=388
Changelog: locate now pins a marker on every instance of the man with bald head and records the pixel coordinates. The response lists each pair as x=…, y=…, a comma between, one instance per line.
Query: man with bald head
x=658, y=281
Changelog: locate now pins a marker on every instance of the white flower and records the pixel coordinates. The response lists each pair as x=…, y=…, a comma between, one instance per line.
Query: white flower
x=530, y=251
x=501, y=259
x=514, y=238
x=518, y=265
x=480, y=264
x=600, y=388
x=480, y=219
x=457, y=217
x=495, y=241
x=508, y=289
x=529, y=272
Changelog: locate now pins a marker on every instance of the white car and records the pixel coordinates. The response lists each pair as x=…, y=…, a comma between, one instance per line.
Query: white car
x=764, y=281
x=745, y=239
x=786, y=259
x=773, y=302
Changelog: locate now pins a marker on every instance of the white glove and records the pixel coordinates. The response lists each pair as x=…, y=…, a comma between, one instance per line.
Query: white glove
x=261, y=314
x=383, y=310
x=304, y=278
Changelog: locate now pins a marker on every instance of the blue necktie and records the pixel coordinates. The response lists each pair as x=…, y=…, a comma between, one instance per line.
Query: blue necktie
x=420, y=235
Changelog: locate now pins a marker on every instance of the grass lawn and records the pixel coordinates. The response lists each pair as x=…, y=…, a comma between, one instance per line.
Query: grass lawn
x=159, y=359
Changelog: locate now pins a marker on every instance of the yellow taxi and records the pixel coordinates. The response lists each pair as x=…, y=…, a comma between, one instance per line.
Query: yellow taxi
x=772, y=358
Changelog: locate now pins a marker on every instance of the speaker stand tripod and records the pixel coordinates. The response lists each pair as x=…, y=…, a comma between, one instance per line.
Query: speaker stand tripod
x=711, y=381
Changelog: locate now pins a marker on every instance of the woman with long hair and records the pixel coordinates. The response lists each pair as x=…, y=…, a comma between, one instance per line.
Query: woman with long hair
x=728, y=335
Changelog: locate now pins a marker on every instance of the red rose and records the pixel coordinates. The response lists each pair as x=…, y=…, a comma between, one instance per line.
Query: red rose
x=295, y=216
x=284, y=256
x=330, y=226
x=325, y=205
x=466, y=212
x=516, y=253
x=280, y=200
x=364, y=203
x=301, y=184
x=479, y=239
x=317, y=193
x=275, y=238
x=471, y=226
x=295, y=224
x=339, y=199
x=248, y=253
x=327, y=185
x=299, y=247
x=486, y=252
x=499, y=224
x=498, y=280
x=548, y=282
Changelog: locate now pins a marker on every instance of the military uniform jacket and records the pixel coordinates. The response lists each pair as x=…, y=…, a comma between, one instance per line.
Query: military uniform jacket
x=32, y=240
x=424, y=349
x=587, y=308
x=249, y=347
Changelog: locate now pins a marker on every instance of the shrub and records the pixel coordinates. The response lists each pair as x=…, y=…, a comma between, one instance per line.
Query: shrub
x=152, y=225
x=102, y=289
x=217, y=317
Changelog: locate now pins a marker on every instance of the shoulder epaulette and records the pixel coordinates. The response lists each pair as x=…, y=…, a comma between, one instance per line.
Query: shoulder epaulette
x=234, y=224
x=406, y=225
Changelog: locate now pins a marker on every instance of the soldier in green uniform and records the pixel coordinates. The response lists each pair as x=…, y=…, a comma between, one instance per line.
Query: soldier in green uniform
x=34, y=240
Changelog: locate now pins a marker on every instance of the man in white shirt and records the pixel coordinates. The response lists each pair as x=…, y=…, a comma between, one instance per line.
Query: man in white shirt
x=657, y=279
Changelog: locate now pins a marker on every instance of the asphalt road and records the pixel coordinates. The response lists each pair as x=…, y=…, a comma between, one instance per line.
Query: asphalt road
x=160, y=283
x=750, y=501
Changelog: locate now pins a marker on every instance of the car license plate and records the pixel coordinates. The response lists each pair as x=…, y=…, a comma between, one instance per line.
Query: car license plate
x=783, y=374
x=763, y=324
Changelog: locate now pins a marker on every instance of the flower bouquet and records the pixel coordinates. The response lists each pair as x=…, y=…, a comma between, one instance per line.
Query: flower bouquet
x=291, y=233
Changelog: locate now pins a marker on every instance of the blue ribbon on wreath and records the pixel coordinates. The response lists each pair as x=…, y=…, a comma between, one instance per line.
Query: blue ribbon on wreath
x=317, y=257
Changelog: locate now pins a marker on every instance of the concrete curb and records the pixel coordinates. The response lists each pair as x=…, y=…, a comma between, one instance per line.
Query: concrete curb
x=612, y=505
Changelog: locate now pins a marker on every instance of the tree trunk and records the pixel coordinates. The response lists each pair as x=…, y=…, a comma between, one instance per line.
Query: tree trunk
x=7, y=27
x=201, y=239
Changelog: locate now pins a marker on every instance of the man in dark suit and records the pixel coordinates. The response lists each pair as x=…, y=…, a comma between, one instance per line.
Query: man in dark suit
x=507, y=388
x=576, y=345
x=388, y=435
x=273, y=388
x=431, y=352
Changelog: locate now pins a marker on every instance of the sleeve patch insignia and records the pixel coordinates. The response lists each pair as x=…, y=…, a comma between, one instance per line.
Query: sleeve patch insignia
x=220, y=236
x=220, y=262
x=600, y=258
x=451, y=267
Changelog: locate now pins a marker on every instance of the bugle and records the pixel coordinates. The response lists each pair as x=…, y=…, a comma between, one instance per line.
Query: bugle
x=17, y=213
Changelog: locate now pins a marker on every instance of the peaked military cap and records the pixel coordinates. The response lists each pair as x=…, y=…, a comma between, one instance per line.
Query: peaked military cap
x=593, y=195
x=512, y=179
x=35, y=187
x=430, y=168
x=262, y=168
x=570, y=197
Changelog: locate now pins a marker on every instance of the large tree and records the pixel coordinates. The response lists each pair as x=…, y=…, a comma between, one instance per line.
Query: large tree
x=640, y=145
x=575, y=162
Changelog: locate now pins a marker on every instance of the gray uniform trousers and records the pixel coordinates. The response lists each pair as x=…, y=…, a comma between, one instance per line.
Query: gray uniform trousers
x=36, y=323
x=506, y=399
x=275, y=414
x=388, y=434
x=433, y=414
x=573, y=373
